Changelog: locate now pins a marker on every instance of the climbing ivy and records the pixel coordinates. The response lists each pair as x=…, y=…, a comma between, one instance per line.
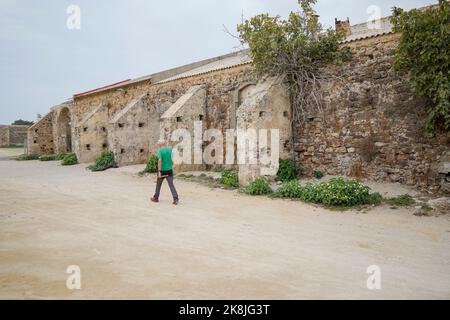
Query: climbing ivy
x=424, y=51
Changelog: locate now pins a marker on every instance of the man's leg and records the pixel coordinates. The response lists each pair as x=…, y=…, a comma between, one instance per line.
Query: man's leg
x=159, y=182
x=172, y=187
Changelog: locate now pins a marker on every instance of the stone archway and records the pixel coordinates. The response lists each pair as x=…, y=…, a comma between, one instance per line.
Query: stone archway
x=64, y=131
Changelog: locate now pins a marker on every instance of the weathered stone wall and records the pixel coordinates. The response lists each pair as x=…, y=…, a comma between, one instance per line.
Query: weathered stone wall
x=40, y=136
x=220, y=87
x=92, y=134
x=63, y=129
x=184, y=114
x=263, y=106
x=17, y=134
x=132, y=130
x=12, y=135
x=4, y=136
x=372, y=123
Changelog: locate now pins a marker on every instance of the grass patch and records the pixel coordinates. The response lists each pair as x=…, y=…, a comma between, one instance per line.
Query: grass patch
x=318, y=174
x=69, y=159
x=229, y=178
x=287, y=170
x=404, y=200
x=27, y=157
x=12, y=146
x=260, y=186
x=337, y=192
x=104, y=162
x=48, y=157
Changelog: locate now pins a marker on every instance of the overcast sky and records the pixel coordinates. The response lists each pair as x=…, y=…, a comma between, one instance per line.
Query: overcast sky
x=43, y=62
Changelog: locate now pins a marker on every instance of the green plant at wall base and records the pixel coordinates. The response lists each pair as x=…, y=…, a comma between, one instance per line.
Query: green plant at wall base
x=424, y=51
x=404, y=200
x=104, y=162
x=229, y=178
x=287, y=170
x=61, y=156
x=27, y=157
x=337, y=193
x=289, y=189
x=12, y=146
x=295, y=49
x=374, y=199
x=69, y=159
x=152, y=164
x=50, y=157
x=318, y=175
x=260, y=186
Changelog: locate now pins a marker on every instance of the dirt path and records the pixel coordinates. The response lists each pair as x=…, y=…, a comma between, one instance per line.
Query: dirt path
x=216, y=244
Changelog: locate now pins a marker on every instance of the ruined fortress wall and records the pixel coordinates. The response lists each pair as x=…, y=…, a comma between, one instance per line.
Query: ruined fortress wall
x=220, y=87
x=17, y=134
x=4, y=136
x=40, y=136
x=372, y=126
x=12, y=135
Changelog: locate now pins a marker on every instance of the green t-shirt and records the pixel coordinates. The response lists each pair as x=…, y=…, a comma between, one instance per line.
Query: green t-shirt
x=165, y=154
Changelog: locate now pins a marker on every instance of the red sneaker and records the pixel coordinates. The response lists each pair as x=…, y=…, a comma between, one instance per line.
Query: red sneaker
x=152, y=199
x=175, y=202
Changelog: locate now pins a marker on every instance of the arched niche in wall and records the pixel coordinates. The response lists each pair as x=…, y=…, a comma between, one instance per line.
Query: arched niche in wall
x=64, y=131
x=237, y=100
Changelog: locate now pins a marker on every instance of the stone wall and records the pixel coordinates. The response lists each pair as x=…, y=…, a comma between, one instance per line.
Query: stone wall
x=220, y=87
x=4, y=136
x=13, y=134
x=63, y=130
x=184, y=114
x=17, y=134
x=263, y=106
x=132, y=130
x=40, y=136
x=91, y=134
x=372, y=125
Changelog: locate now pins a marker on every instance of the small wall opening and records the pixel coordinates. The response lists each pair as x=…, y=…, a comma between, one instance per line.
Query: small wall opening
x=120, y=125
x=122, y=151
x=88, y=147
x=141, y=124
x=179, y=119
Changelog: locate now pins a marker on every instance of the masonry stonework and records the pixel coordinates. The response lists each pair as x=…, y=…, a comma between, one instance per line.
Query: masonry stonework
x=372, y=126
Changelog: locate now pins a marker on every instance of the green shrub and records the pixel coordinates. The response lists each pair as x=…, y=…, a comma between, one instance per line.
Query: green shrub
x=287, y=170
x=402, y=201
x=229, y=178
x=61, y=156
x=375, y=199
x=289, y=189
x=12, y=146
x=104, y=162
x=69, y=159
x=259, y=186
x=340, y=192
x=318, y=174
x=27, y=157
x=49, y=157
x=152, y=164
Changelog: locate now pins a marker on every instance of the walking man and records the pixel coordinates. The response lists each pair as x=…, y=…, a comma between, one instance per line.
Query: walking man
x=165, y=171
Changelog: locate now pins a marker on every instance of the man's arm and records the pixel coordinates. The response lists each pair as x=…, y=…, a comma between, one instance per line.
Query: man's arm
x=159, y=167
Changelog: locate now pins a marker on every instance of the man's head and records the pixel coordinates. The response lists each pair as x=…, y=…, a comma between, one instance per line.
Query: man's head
x=161, y=143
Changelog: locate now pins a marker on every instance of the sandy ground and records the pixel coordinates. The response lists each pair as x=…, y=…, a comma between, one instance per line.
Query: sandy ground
x=217, y=244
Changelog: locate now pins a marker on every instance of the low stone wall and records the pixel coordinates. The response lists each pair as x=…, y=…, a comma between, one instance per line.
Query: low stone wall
x=13, y=134
x=4, y=136
x=40, y=136
x=372, y=126
x=17, y=134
